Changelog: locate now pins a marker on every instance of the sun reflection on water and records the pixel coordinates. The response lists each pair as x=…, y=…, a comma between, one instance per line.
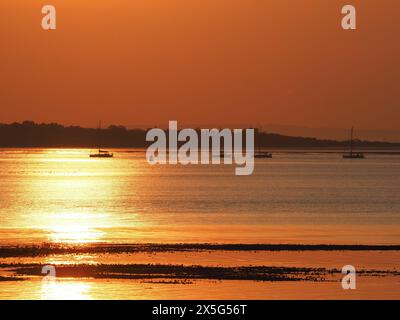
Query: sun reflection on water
x=70, y=197
x=65, y=289
x=75, y=234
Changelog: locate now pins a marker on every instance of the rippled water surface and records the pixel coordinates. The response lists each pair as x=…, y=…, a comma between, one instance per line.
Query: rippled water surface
x=62, y=195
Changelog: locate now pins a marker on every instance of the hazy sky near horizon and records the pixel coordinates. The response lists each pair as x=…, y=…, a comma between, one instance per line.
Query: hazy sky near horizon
x=222, y=62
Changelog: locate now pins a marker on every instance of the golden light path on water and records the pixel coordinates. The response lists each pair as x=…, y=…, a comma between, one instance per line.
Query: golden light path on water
x=65, y=290
x=69, y=225
x=70, y=195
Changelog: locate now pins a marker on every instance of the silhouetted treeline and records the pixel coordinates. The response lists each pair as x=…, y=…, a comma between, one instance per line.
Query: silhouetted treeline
x=30, y=134
x=273, y=140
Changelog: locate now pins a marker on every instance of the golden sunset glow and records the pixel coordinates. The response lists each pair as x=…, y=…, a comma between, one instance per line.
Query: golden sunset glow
x=67, y=290
x=199, y=150
x=141, y=63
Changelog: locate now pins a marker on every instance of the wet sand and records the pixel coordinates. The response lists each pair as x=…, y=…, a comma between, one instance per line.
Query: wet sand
x=199, y=271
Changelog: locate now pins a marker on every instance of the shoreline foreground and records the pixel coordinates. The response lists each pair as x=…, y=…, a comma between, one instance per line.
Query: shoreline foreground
x=196, y=270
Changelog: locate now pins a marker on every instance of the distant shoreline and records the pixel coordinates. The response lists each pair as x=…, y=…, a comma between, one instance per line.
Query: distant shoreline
x=32, y=135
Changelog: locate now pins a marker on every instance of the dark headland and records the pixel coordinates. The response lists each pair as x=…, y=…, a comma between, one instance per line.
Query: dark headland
x=33, y=135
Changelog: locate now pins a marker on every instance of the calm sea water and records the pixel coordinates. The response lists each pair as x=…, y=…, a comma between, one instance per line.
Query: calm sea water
x=62, y=195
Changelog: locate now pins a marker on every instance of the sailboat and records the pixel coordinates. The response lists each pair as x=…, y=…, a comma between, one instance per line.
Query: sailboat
x=101, y=153
x=260, y=154
x=263, y=155
x=352, y=154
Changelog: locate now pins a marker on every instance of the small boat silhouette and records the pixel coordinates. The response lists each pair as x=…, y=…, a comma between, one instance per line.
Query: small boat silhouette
x=101, y=153
x=261, y=155
x=352, y=154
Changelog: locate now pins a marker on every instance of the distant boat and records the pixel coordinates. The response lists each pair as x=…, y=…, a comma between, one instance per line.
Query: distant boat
x=352, y=154
x=265, y=155
x=260, y=154
x=101, y=153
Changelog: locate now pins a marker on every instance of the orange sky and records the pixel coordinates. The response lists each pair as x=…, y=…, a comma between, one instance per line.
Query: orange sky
x=200, y=62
